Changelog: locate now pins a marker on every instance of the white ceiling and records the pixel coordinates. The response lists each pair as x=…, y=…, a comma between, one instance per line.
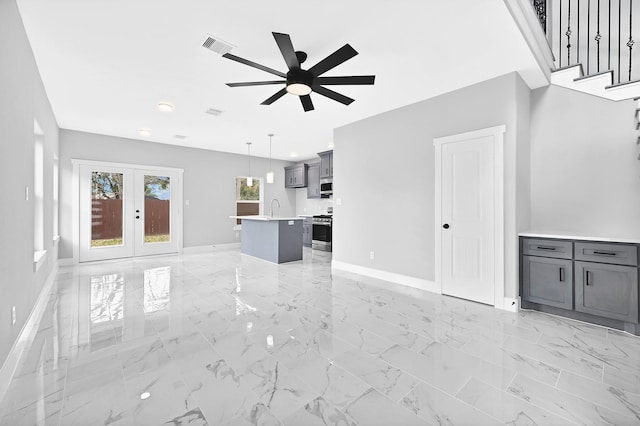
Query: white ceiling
x=106, y=64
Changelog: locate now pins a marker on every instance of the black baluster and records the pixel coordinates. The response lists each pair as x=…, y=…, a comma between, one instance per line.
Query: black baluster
x=619, y=35
x=568, y=34
x=630, y=43
x=588, y=32
x=609, y=40
x=598, y=36
x=560, y=37
x=578, y=37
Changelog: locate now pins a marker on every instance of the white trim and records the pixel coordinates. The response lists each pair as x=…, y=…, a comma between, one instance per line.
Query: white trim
x=387, y=276
x=67, y=261
x=525, y=18
x=26, y=335
x=511, y=305
x=39, y=258
x=498, y=137
x=78, y=161
x=210, y=248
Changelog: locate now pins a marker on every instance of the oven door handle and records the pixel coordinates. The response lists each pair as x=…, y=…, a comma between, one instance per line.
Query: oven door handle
x=322, y=224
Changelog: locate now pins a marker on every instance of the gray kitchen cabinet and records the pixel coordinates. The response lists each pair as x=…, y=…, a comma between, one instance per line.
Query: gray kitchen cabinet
x=548, y=281
x=307, y=229
x=588, y=280
x=326, y=164
x=606, y=290
x=295, y=176
x=313, y=181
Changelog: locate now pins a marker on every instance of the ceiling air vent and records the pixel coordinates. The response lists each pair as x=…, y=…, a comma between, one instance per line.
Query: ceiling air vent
x=216, y=45
x=213, y=111
x=179, y=136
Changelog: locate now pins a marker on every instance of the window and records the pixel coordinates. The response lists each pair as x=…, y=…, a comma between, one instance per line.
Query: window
x=248, y=198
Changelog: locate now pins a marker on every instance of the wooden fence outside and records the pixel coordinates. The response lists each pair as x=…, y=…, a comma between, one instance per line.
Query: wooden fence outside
x=106, y=219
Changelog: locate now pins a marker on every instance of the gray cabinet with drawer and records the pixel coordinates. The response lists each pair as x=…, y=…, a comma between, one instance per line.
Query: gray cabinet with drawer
x=587, y=280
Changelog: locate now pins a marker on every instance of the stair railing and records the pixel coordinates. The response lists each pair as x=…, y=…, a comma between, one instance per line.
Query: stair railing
x=599, y=34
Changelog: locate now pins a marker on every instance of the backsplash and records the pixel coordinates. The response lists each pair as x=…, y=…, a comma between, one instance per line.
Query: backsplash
x=312, y=206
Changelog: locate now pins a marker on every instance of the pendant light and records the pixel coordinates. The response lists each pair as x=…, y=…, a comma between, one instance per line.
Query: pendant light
x=249, y=178
x=270, y=172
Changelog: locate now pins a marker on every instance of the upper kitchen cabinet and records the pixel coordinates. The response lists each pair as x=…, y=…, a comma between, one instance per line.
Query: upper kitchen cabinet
x=295, y=176
x=313, y=181
x=326, y=164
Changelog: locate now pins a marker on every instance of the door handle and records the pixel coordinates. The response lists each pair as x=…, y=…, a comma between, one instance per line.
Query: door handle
x=445, y=226
x=137, y=217
x=561, y=274
x=587, y=281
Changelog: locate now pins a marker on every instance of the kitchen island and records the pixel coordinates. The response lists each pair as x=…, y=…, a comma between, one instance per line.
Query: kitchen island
x=276, y=239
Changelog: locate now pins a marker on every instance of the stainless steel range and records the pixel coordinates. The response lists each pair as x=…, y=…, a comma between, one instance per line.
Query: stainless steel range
x=321, y=234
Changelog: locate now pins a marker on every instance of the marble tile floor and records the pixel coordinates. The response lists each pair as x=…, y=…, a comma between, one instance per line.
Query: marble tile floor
x=221, y=338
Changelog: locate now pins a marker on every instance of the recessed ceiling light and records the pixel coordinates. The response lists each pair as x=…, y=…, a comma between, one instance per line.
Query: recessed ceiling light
x=145, y=395
x=145, y=132
x=331, y=145
x=293, y=155
x=165, y=106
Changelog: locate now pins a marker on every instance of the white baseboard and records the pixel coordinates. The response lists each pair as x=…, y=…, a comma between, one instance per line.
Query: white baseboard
x=511, y=305
x=27, y=334
x=67, y=261
x=210, y=248
x=388, y=276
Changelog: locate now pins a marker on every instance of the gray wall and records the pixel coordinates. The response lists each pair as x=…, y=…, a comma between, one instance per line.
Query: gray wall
x=209, y=182
x=22, y=100
x=585, y=173
x=384, y=177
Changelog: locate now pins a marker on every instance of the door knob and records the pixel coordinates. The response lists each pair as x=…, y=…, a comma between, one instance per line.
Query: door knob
x=137, y=211
x=445, y=226
x=137, y=217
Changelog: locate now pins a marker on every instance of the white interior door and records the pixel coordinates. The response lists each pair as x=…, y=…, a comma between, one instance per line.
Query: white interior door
x=127, y=212
x=467, y=216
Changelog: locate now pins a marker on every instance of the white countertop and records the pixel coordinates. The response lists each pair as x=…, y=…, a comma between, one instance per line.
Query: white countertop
x=579, y=237
x=265, y=218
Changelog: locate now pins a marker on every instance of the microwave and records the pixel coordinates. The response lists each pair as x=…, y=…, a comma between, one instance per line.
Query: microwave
x=326, y=188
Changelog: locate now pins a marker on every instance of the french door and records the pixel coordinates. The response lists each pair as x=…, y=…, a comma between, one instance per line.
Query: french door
x=126, y=212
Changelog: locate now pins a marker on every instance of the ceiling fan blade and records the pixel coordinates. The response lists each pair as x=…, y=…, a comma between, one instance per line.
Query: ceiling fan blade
x=352, y=80
x=332, y=95
x=341, y=55
x=255, y=83
x=286, y=48
x=275, y=97
x=306, y=103
x=254, y=65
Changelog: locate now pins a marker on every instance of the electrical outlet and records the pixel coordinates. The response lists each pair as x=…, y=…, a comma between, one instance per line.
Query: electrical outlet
x=13, y=315
x=186, y=203
x=371, y=255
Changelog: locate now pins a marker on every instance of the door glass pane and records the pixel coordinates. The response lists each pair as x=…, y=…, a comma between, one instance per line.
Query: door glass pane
x=106, y=209
x=157, y=207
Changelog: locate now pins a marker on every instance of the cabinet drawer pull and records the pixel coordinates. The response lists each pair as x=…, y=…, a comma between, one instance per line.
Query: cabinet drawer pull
x=605, y=253
x=561, y=274
x=546, y=248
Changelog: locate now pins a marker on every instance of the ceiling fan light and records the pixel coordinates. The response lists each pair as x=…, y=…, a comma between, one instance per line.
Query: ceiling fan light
x=249, y=181
x=269, y=177
x=299, y=89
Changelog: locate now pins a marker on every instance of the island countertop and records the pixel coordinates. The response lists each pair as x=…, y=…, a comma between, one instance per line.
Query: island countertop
x=265, y=218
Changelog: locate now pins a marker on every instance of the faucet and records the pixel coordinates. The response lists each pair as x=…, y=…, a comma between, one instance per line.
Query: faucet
x=276, y=200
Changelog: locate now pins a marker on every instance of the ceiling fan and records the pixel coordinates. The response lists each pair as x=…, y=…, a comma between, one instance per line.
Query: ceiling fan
x=302, y=82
